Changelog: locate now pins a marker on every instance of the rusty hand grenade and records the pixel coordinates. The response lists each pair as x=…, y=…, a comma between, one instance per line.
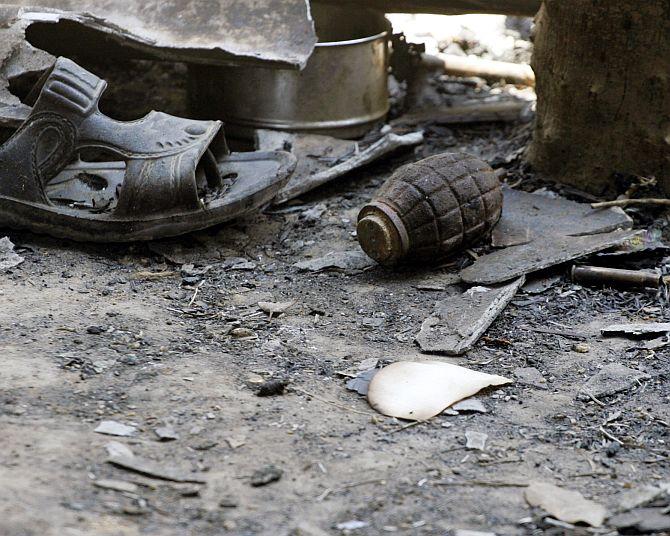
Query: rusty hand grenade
x=431, y=209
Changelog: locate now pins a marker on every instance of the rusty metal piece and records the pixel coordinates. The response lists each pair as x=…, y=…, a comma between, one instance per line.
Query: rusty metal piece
x=601, y=276
x=342, y=91
x=431, y=209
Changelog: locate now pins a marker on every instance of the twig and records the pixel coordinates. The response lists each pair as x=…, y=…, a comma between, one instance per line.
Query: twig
x=195, y=293
x=610, y=436
x=326, y=401
x=601, y=404
x=330, y=491
x=484, y=483
x=629, y=202
x=409, y=425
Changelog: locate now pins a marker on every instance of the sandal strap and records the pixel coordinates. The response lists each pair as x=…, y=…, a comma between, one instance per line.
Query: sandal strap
x=161, y=152
x=70, y=90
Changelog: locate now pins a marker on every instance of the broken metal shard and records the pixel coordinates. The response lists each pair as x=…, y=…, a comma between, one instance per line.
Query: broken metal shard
x=279, y=32
x=458, y=323
x=544, y=231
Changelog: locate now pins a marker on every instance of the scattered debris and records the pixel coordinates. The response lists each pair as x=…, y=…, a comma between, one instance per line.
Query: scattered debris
x=275, y=309
x=541, y=232
x=116, y=485
x=236, y=441
x=460, y=532
x=348, y=261
x=651, y=329
x=419, y=391
x=274, y=387
x=642, y=521
x=243, y=334
x=538, y=285
x=116, y=449
x=154, y=470
x=403, y=224
x=638, y=496
x=475, y=440
x=114, y=428
x=600, y=276
x=530, y=376
x=470, y=405
x=266, y=475
x=352, y=525
x=458, y=323
x=322, y=159
x=8, y=257
x=229, y=501
x=166, y=433
x=611, y=379
x=361, y=383
x=581, y=348
x=565, y=505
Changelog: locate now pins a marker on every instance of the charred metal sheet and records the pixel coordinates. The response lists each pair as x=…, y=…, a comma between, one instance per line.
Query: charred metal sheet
x=280, y=32
x=17, y=58
x=458, y=322
x=537, y=232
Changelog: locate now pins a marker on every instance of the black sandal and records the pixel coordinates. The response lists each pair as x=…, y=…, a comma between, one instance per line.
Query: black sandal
x=72, y=172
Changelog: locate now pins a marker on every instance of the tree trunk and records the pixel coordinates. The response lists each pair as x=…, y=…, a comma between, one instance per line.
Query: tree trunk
x=603, y=86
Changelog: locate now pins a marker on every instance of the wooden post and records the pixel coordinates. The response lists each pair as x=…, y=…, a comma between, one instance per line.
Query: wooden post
x=602, y=72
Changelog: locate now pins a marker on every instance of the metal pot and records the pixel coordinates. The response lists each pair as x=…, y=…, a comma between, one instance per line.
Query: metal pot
x=341, y=92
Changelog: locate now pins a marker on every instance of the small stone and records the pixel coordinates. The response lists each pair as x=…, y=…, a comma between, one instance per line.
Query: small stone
x=470, y=405
x=115, y=429
x=116, y=449
x=229, y=524
x=266, y=475
x=228, y=501
x=243, y=334
x=530, y=376
x=272, y=388
x=95, y=330
x=116, y=485
x=581, y=347
x=475, y=440
x=166, y=433
x=354, y=524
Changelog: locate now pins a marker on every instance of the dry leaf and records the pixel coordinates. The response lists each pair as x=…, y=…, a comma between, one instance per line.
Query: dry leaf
x=564, y=504
x=419, y=391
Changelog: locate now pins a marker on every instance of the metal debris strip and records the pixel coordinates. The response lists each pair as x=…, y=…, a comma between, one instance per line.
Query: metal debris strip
x=215, y=32
x=543, y=231
x=322, y=159
x=458, y=322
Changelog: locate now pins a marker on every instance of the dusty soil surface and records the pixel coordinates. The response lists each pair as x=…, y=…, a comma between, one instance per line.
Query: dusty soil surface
x=91, y=333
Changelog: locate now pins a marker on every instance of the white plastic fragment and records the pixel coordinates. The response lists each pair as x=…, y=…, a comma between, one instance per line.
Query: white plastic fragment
x=420, y=390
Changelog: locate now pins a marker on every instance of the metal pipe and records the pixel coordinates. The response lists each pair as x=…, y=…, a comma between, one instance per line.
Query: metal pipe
x=597, y=275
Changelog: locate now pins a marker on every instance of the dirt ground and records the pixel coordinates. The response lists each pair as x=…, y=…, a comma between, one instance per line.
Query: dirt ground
x=91, y=333
x=170, y=334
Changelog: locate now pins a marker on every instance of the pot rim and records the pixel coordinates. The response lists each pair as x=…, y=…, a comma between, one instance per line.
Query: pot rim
x=349, y=42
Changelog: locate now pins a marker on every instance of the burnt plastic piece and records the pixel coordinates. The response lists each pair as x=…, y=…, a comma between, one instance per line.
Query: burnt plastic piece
x=431, y=209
